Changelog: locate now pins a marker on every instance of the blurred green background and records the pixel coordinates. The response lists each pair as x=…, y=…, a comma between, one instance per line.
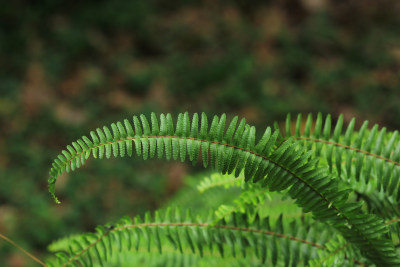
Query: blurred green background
x=68, y=68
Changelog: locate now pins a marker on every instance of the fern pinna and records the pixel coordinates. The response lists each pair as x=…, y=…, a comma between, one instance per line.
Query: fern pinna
x=293, y=165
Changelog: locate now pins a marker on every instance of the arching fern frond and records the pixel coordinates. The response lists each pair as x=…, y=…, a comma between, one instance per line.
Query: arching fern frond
x=176, y=259
x=283, y=167
x=238, y=237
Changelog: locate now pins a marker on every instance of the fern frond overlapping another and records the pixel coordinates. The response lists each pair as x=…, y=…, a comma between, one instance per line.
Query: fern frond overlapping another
x=369, y=156
x=284, y=167
x=237, y=237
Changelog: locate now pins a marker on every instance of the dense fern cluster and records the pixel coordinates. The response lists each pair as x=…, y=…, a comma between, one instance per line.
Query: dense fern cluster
x=321, y=171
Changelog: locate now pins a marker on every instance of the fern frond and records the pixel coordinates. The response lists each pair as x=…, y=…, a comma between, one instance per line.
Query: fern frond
x=216, y=179
x=172, y=258
x=358, y=157
x=256, y=200
x=174, y=231
x=337, y=253
x=283, y=167
x=226, y=196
